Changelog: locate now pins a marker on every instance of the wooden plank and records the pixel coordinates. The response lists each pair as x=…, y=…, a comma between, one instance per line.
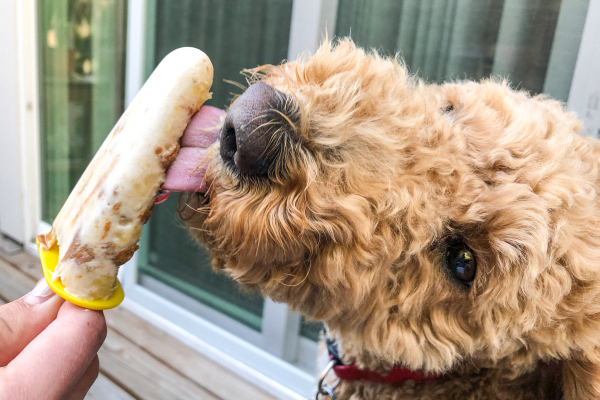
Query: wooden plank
x=105, y=389
x=140, y=373
x=20, y=259
x=183, y=358
x=13, y=283
x=25, y=262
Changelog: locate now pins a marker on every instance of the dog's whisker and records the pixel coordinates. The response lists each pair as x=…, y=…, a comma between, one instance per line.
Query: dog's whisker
x=268, y=123
x=192, y=208
x=199, y=229
x=234, y=83
x=287, y=119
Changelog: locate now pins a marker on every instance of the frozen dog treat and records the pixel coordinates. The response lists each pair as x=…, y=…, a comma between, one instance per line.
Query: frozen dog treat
x=99, y=225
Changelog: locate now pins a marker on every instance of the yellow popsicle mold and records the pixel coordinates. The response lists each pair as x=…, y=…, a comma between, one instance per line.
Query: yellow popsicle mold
x=49, y=259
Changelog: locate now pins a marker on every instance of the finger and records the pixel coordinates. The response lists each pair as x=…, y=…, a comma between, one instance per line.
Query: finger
x=85, y=383
x=55, y=361
x=23, y=319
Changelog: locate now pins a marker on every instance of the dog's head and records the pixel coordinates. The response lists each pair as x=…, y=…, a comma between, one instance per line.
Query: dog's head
x=431, y=224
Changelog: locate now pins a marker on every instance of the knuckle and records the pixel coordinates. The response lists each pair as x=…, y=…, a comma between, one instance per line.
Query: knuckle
x=6, y=329
x=9, y=314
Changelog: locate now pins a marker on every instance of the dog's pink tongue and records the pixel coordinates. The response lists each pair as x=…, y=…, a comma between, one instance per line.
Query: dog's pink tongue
x=186, y=174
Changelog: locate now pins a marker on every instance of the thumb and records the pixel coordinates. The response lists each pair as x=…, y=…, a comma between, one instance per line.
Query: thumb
x=23, y=319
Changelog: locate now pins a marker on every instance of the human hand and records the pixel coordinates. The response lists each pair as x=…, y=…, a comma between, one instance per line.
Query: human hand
x=48, y=347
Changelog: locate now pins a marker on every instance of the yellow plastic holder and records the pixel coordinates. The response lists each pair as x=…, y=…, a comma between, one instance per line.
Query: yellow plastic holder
x=49, y=260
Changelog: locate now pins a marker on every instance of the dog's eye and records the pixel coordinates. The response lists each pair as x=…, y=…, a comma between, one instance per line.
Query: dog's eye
x=460, y=261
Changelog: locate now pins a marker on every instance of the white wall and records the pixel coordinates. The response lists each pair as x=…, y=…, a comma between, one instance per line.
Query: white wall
x=584, y=97
x=11, y=207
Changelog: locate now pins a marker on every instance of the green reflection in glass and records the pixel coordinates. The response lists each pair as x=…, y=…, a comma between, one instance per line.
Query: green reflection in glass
x=82, y=54
x=534, y=44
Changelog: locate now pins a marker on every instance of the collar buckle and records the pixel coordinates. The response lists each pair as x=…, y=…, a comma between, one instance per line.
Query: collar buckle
x=325, y=389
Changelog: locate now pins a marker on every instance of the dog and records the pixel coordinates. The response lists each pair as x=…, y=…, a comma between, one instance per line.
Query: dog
x=446, y=233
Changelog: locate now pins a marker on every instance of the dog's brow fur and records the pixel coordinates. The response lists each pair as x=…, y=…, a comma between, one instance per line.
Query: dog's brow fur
x=350, y=230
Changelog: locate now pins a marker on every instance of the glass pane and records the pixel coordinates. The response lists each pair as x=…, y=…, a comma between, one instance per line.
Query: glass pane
x=169, y=254
x=533, y=43
x=235, y=35
x=82, y=57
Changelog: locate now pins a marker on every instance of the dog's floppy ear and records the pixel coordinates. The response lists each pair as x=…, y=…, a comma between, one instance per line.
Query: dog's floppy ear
x=581, y=378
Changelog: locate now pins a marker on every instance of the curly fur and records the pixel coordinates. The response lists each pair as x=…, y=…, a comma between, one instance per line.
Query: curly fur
x=373, y=177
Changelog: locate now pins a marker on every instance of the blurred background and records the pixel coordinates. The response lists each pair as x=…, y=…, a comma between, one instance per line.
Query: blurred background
x=68, y=69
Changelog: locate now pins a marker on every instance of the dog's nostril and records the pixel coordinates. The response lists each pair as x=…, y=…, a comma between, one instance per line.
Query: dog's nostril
x=231, y=139
x=228, y=143
x=247, y=136
x=231, y=133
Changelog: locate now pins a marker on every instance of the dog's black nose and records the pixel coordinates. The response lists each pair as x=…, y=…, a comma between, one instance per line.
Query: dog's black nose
x=247, y=134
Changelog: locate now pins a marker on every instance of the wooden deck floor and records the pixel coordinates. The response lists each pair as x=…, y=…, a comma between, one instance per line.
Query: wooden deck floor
x=138, y=360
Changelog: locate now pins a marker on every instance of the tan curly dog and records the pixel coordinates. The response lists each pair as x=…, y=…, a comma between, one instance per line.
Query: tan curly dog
x=452, y=230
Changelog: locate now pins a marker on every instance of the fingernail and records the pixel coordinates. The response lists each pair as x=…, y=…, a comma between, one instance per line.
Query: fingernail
x=40, y=293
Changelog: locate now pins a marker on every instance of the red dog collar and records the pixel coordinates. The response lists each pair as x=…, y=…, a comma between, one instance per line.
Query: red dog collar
x=398, y=374
x=351, y=372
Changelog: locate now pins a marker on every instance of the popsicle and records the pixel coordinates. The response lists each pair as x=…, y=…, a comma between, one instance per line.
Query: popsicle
x=100, y=224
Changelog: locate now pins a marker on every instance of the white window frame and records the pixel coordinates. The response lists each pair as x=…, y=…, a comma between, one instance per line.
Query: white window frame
x=20, y=210
x=258, y=357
